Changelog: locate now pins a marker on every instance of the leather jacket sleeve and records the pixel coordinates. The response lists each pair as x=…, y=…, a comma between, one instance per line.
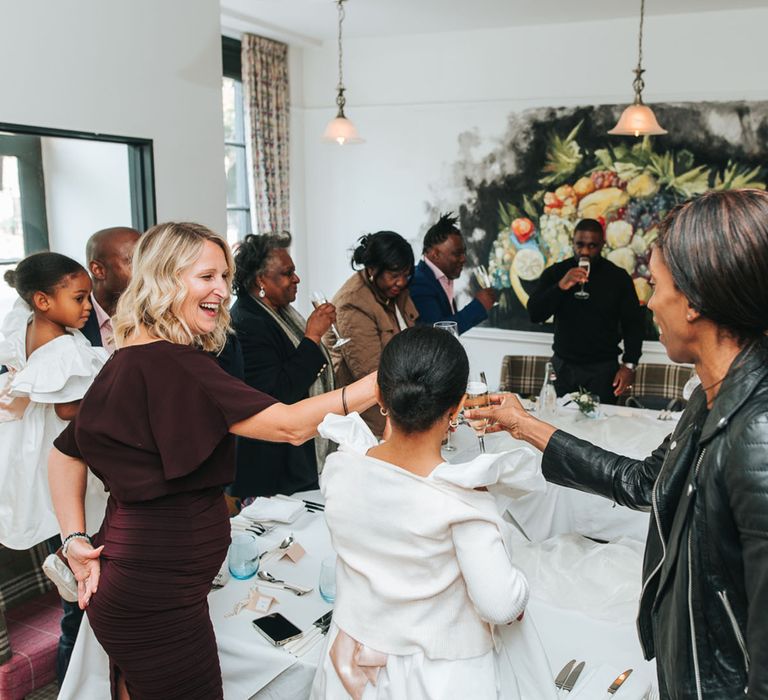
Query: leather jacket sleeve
x=746, y=480
x=572, y=462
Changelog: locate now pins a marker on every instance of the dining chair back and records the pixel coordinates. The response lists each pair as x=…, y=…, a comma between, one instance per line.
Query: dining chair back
x=658, y=386
x=30, y=615
x=523, y=374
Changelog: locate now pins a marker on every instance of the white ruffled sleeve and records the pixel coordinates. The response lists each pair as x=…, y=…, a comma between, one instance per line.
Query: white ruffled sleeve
x=60, y=371
x=512, y=474
x=350, y=432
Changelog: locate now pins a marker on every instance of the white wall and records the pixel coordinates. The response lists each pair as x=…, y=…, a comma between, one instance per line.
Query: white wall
x=86, y=189
x=412, y=96
x=144, y=68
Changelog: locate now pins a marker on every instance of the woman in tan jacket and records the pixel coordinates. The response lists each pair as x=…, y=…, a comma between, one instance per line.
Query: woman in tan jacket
x=371, y=308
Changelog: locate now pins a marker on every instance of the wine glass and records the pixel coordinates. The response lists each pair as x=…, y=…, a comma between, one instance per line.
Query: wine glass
x=581, y=294
x=319, y=298
x=484, y=279
x=450, y=327
x=477, y=396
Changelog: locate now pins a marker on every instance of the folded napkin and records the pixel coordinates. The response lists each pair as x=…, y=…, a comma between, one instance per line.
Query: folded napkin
x=594, y=685
x=279, y=509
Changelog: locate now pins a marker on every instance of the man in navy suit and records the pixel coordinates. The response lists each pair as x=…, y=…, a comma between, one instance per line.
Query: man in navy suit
x=431, y=286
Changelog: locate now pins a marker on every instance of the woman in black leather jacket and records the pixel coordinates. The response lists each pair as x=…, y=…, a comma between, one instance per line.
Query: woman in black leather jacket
x=705, y=575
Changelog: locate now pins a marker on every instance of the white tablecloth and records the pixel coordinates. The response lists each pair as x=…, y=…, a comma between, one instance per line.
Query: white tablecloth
x=248, y=662
x=590, y=574
x=631, y=432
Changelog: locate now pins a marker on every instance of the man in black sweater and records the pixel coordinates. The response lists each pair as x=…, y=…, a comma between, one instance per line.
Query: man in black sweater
x=588, y=330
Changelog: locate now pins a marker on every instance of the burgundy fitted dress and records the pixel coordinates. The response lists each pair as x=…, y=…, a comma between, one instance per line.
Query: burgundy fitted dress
x=154, y=427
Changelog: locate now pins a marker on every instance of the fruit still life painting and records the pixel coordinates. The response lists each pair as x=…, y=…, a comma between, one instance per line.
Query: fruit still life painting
x=557, y=166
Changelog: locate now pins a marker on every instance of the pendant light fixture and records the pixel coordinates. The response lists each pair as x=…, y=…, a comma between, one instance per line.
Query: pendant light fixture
x=340, y=130
x=638, y=119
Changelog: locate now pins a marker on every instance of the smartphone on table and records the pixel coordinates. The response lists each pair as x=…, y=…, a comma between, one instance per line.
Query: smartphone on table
x=276, y=629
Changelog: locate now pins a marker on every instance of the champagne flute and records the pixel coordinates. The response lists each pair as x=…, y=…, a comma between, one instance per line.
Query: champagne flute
x=484, y=279
x=450, y=327
x=477, y=396
x=585, y=264
x=319, y=298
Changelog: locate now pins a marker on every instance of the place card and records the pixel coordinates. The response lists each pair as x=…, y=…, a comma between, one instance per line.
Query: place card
x=257, y=601
x=295, y=552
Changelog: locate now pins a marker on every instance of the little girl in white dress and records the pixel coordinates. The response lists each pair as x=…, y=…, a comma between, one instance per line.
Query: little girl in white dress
x=50, y=366
x=429, y=602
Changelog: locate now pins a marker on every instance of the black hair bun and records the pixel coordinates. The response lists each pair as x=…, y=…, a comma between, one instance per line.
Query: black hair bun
x=10, y=278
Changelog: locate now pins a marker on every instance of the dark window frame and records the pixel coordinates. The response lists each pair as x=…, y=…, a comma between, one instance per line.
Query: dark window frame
x=232, y=67
x=34, y=221
x=141, y=168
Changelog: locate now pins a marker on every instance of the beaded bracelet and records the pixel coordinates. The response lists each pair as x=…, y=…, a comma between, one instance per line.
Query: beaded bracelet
x=74, y=536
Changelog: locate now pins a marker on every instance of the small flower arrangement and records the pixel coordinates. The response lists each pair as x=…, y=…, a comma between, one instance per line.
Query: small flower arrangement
x=587, y=403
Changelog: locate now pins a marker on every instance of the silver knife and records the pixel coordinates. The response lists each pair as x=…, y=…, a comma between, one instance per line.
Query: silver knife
x=573, y=676
x=613, y=687
x=560, y=678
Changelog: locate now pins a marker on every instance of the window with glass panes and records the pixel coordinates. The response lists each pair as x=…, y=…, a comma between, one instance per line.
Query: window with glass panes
x=235, y=165
x=23, y=225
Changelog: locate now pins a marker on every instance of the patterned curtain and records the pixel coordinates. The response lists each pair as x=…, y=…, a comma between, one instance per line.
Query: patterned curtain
x=267, y=107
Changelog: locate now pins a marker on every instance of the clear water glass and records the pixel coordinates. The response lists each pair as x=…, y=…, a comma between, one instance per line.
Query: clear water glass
x=243, y=559
x=327, y=583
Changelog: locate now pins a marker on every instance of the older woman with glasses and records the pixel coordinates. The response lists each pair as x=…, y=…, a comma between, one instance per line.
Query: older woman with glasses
x=283, y=357
x=372, y=307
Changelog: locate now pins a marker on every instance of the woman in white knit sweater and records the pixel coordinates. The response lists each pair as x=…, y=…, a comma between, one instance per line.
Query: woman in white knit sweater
x=424, y=572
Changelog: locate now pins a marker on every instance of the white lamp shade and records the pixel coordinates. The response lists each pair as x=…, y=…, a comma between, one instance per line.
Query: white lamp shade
x=342, y=131
x=637, y=120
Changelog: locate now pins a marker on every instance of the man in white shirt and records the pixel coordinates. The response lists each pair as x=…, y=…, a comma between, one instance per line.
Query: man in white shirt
x=108, y=254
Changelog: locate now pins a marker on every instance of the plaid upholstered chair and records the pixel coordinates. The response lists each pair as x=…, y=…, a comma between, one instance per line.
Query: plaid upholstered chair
x=30, y=614
x=523, y=374
x=658, y=386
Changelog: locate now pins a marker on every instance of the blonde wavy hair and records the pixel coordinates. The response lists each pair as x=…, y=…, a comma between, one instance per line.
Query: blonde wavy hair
x=156, y=291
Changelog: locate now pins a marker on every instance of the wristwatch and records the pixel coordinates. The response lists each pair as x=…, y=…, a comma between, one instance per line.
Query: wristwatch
x=631, y=366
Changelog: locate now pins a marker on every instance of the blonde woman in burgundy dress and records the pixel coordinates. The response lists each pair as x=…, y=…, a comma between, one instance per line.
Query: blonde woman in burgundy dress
x=157, y=427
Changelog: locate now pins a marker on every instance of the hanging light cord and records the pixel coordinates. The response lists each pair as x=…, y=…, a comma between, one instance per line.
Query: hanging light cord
x=638, y=83
x=340, y=101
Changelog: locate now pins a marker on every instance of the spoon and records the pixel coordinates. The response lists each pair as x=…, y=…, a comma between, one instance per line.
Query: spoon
x=287, y=542
x=298, y=590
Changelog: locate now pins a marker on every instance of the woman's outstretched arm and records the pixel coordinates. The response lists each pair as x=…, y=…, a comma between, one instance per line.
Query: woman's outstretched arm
x=297, y=423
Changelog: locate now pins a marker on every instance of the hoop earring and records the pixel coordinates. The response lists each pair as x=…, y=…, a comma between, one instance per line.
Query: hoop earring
x=383, y=411
x=262, y=293
x=454, y=423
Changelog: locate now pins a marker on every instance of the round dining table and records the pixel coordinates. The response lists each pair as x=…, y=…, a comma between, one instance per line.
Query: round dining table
x=581, y=553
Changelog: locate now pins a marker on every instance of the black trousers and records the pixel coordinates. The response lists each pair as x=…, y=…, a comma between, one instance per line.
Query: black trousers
x=595, y=377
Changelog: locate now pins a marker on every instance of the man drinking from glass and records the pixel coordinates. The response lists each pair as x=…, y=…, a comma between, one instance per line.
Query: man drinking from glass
x=595, y=306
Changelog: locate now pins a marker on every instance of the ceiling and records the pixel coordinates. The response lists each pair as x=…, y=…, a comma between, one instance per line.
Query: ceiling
x=310, y=22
